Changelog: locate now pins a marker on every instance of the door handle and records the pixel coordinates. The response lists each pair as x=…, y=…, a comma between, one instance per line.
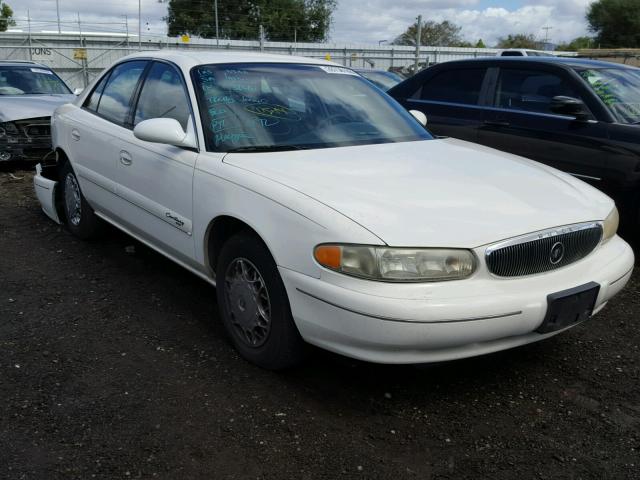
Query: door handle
x=496, y=123
x=75, y=134
x=125, y=158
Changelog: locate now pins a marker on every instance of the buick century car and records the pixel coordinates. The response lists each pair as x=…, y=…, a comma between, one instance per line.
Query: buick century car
x=324, y=213
x=29, y=93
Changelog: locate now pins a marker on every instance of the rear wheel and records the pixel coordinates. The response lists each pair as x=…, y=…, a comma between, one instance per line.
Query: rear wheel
x=80, y=218
x=254, y=305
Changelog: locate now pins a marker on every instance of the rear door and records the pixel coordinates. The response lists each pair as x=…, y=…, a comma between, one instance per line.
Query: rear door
x=94, y=128
x=519, y=121
x=450, y=97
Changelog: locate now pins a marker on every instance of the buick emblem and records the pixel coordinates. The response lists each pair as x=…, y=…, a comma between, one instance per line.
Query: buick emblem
x=557, y=253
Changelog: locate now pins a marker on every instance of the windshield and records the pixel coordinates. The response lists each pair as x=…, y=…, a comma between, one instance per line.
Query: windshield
x=286, y=106
x=384, y=80
x=30, y=80
x=619, y=89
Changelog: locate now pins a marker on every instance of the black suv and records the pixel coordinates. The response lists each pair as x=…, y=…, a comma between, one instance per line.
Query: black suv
x=580, y=116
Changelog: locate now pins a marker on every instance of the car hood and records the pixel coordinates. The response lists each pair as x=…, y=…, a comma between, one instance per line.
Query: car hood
x=17, y=107
x=446, y=192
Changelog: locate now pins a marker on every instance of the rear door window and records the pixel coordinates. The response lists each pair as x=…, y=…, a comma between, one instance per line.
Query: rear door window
x=530, y=90
x=116, y=97
x=460, y=85
x=94, y=99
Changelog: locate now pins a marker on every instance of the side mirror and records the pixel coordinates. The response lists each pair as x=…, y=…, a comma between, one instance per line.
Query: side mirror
x=78, y=91
x=165, y=130
x=570, y=106
x=421, y=117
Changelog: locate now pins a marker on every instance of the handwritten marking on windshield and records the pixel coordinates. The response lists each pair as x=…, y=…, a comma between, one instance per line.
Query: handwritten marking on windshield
x=274, y=111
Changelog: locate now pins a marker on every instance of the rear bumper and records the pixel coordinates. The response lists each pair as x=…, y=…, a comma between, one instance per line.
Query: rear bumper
x=416, y=323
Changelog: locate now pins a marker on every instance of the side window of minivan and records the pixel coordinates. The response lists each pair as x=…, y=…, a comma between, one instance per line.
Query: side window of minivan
x=530, y=90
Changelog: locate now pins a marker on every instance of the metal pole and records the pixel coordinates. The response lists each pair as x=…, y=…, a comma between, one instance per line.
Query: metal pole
x=261, y=38
x=126, y=26
x=295, y=40
x=215, y=5
x=85, y=73
x=29, y=29
x=58, y=12
x=139, y=25
x=418, y=40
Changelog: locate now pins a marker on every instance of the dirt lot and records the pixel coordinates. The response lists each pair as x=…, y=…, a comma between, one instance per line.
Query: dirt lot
x=113, y=365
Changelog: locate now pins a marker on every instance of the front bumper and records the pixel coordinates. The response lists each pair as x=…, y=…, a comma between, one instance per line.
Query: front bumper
x=418, y=323
x=45, y=189
x=30, y=140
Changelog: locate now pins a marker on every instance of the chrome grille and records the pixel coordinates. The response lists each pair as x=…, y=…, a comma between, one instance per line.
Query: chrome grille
x=543, y=251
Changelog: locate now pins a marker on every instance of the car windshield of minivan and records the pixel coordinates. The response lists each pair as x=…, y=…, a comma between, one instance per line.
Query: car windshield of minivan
x=262, y=107
x=30, y=81
x=619, y=89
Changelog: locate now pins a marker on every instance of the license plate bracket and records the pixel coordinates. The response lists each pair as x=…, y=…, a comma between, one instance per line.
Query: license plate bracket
x=569, y=307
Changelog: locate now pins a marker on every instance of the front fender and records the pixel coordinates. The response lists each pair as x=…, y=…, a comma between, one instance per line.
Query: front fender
x=290, y=223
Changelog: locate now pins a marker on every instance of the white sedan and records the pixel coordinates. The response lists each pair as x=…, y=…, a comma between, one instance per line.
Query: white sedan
x=325, y=213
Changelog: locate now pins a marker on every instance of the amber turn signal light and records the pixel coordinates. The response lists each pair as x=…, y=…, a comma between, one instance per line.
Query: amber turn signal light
x=329, y=256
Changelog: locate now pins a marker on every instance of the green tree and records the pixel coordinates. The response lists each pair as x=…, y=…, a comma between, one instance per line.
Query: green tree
x=518, y=40
x=575, y=44
x=616, y=23
x=6, y=17
x=282, y=20
x=443, y=34
x=480, y=44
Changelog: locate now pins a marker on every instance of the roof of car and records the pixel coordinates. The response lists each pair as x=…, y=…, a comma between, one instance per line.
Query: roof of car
x=21, y=63
x=188, y=59
x=573, y=62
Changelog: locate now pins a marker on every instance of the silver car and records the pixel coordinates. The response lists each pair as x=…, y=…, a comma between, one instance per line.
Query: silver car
x=29, y=93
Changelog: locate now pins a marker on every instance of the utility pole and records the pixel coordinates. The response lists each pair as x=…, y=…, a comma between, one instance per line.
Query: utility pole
x=139, y=25
x=215, y=6
x=85, y=72
x=126, y=26
x=58, y=12
x=418, y=40
x=29, y=30
x=546, y=35
x=261, y=38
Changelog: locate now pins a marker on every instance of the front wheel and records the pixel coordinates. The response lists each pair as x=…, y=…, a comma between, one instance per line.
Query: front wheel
x=254, y=306
x=81, y=220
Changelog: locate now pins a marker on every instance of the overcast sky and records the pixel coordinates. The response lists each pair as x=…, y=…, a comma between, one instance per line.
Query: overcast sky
x=355, y=21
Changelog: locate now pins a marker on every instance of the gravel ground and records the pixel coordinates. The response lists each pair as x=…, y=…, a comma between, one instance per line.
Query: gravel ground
x=113, y=365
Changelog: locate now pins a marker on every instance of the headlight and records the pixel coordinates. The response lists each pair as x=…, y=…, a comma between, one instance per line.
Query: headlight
x=610, y=226
x=397, y=264
x=8, y=129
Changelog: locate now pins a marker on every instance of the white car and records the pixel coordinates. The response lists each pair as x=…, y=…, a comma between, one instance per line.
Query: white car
x=325, y=213
x=523, y=52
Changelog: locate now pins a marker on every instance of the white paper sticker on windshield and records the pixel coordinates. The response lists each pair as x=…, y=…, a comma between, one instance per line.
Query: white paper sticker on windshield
x=41, y=70
x=340, y=70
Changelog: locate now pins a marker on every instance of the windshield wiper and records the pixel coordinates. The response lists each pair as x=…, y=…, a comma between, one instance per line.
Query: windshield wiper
x=266, y=148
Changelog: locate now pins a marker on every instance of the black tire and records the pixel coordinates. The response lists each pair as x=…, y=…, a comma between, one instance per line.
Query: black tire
x=80, y=218
x=277, y=346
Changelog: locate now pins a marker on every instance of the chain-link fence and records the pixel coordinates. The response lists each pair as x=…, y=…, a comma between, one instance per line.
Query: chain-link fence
x=79, y=57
